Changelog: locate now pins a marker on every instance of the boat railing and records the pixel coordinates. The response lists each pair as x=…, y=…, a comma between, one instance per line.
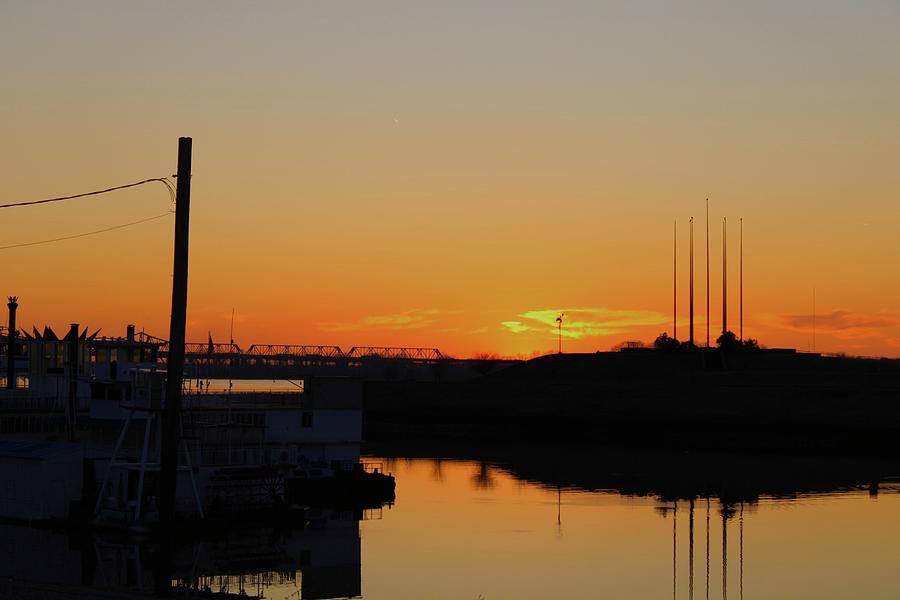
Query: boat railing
x=353, y=466
x=18, y=402
x=244, y=398
x=226, y=454
x=372, y=514
x=372, y=467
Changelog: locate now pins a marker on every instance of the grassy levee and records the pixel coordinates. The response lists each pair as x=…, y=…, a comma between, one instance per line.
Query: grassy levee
x=757, y=400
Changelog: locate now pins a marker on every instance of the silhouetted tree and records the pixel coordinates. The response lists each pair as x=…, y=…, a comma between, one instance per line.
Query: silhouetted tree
x=664, y=342
x=485, y=362
x=751, y=344
x=728, y=341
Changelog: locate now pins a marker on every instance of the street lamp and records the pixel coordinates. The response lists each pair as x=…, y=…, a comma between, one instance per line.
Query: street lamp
x=559, y=321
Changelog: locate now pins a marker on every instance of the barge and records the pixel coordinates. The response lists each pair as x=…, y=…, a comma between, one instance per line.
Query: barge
x=243, y=449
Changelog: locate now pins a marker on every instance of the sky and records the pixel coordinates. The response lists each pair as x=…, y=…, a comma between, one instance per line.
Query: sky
x=455, y=175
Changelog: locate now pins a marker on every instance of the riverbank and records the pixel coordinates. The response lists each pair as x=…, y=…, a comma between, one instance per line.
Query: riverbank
x=750, y=400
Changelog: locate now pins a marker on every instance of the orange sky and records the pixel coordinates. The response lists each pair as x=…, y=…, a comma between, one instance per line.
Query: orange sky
x=454, y=176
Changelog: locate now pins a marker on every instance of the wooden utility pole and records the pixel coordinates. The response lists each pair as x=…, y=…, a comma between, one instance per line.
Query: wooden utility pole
x=175, y=362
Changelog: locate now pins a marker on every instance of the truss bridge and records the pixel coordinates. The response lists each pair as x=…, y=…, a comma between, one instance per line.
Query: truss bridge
x=295, y=361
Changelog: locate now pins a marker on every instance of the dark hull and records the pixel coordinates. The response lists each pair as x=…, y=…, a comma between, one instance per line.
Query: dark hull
x=356, y=490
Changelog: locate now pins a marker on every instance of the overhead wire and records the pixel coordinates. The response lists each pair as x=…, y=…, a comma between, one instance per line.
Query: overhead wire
x=87, y=233
x=164, y=180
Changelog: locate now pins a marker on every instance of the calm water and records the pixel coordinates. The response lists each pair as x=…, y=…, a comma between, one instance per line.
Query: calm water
x=464, y=531
x=468, y=530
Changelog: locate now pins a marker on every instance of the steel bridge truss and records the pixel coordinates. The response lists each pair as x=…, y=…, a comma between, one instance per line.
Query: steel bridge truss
x=198, y=351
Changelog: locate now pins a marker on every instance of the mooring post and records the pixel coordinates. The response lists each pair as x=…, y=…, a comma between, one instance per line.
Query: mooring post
x=72, y=411
x=175, y=361
x=11, y=343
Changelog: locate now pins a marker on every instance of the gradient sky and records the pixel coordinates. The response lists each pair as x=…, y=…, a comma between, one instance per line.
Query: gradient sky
x=455, y=174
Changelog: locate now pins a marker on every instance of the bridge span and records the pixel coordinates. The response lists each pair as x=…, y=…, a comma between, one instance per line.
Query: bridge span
x=297, y=361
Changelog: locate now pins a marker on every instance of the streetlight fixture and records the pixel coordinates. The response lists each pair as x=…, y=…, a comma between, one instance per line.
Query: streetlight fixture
x=559, y=322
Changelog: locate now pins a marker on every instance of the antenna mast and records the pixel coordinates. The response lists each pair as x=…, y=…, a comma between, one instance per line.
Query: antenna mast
x=707, y=272
x=675, y=282
x=724, y=275
x=692, y=282
x=742, y=281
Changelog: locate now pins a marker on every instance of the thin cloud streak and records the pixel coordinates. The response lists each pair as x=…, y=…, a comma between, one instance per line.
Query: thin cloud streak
x=585, y=322
x=410, y=319
x=840, y=323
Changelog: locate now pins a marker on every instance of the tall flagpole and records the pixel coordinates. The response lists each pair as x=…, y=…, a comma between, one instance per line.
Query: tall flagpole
x=707, y=272
x=692, y=282
x=675, y=282
x=724, y=275
x=742, y=280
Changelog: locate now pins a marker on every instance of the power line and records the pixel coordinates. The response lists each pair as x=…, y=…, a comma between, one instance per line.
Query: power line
x=87, y=233
x=162, y=180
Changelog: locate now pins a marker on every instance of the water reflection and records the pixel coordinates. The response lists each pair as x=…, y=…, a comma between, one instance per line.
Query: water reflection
x=597, y=524
x=528, y=525
x=318, y=560
x=483, y=478
x=734, y=478
x=727, y=514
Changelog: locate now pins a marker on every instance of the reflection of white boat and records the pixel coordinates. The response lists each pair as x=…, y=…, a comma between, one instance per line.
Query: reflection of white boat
x=320, y=558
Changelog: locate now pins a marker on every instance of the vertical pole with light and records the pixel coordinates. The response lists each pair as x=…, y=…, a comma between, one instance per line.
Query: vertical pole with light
x=559, y=322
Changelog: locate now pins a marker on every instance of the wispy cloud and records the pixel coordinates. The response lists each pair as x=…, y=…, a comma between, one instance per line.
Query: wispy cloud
x=517, y=326
x=410, y=319
x=841, y=323
x=585, y=322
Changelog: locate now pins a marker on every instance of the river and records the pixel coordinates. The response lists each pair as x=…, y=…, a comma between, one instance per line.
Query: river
x=472, y=529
